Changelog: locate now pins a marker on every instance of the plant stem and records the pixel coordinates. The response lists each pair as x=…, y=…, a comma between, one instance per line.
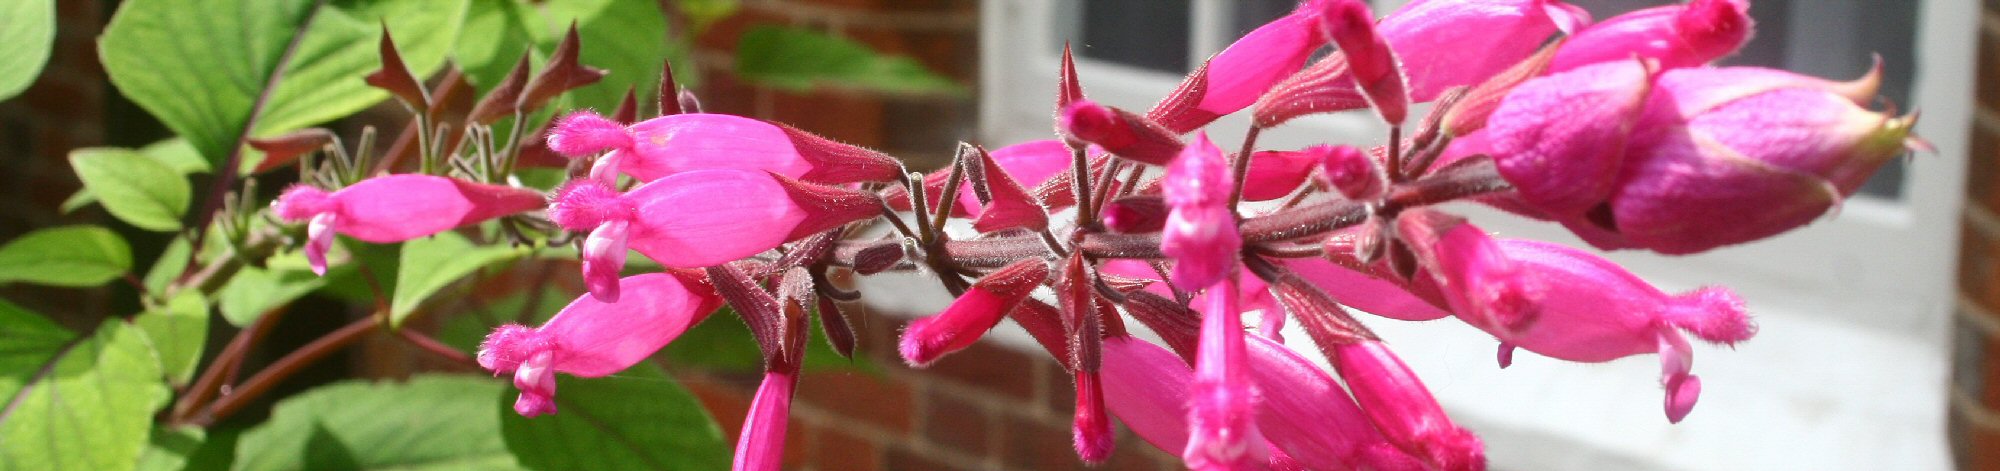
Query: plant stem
x=1080, y=183
x=226, y=363
x=428, y=344
x=285, y=367
x=1242, y=165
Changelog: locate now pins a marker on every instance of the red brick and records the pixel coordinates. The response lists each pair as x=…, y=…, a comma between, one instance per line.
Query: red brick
x=839, y=450
x=1031, y=444
x=848, y=117
x=1059, y=391
x=800, y=438
x=1989, y=67
x=991, y=368
x=1982, y=183
x=900, y=458
x=952, y=423
x=876, y=400
x=1975, y=445
x=864, y=5
x=1976, y=358
x=1979, y=268
x=727, y=404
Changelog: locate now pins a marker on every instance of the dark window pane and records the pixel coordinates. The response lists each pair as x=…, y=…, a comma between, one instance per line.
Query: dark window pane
x=1250, y=14
x=1149, y=34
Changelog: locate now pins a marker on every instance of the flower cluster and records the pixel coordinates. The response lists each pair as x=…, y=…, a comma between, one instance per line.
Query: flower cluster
x=1619, y=130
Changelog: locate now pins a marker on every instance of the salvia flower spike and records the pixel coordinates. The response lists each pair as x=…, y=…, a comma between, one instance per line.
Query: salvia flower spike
x=1222, y=419
x=395, y=208
x=666, y=145
x=592, y=338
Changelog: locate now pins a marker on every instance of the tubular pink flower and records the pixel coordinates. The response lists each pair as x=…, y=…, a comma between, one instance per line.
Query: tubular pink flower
x=1561, y=139
x=1222, y=419
x=1372, y=64
x=1353, y=173
x=1091, y=426
x=1277, y=174
x=1307, y=415
x=1148, y=387
x=395, y=208
x=671, y=144
x=707, y=217
x=1594, y=311
x=973, y=313
x=592, y=338
x=1725, y=156
x=1676, y=36
x=1402, y=408
x=1477, y=280
x=1200, y=233
x=1235, y=77
x=761, y=446
x=1119, y=132
x=1364, y=291
x=1441, y=44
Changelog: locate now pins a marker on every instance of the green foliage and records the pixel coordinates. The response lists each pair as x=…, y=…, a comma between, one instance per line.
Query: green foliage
x=495, y=34
x=723, y=343
x=430, y=264
x=168, y=267
x=267, y=67
x=171, y=448
x=253, y=291
x=174, y=153
x=177, y=332
x=65, y=256
x=137, y=189
x=28, y=28
x=628, y=38
x=798, y=59
x=432, y=422
x=82, y=405
x=637, y=419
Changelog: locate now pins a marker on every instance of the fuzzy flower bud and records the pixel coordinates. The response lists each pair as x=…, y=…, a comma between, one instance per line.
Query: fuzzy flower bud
x=972, y=314
x=1353, y=173
x=658, y=147
x=1119, y=132
x=395, y=208
x=1676, y=36
x=1200, y=233
x=1402, y=408
x=1235, y=77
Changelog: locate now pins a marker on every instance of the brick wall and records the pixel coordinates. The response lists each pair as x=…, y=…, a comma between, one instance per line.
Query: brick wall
x=1975, y=392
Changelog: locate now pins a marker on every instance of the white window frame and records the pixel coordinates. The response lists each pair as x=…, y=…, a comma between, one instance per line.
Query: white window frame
x=1879, y=264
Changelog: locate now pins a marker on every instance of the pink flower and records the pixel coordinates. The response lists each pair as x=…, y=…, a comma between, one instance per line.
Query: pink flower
x=1277, y=174
x=700, y=218
x=973, y=313
x=395, y=208
x=1235, y=77
x=1478, y=281
x=671, y=144
x=1364, y=291
x=1372, y=65
x=1674, y=35
x=1441, y=44
x=1561, y=138
x=1222, y=419
x=1402, y=408
x=1119, y=132
x=1200, y=233
x=1593, y=310
x=592, y=338
x=1353, y=173
x=761, y=447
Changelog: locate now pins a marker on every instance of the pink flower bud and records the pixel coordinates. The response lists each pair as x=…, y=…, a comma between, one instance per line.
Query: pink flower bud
x=1708, y=167
x=1674, y=35
x=1200, y=233
x=1008, y=204
x=1119, y=132
x=1308, y=415
x=1135, y=214
x=973, y=313
x=395, y=208
x=1593, y=310
x=1441, y=44
x=1354, y=174
x=592, y=338
x=761, y=445
x=666, y=145
x=1561, y=139
x=1222, y=419
x=1478, y=281
x=1402, y=408
x=1369, y=60
x=1091, y=427
x=1277, y=174
x=1235, y=77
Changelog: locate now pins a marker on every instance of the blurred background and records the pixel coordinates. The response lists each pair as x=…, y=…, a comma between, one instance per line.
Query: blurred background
x=1879, y=323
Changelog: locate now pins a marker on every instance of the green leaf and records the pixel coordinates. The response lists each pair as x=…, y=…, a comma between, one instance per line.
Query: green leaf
x=88, y=405
x=253, y=291
x=137, y=189
x=429, y=265
x=173, y=260
x=637, y=419
x=703, y=13
x=178, y=332
x=801, y=60
x=626, y=37
x=496, y=32
x=170, y=448
x=218, y=70
x=433, y=422
x=65, y=256
x=28, y=28
x=174, y=153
